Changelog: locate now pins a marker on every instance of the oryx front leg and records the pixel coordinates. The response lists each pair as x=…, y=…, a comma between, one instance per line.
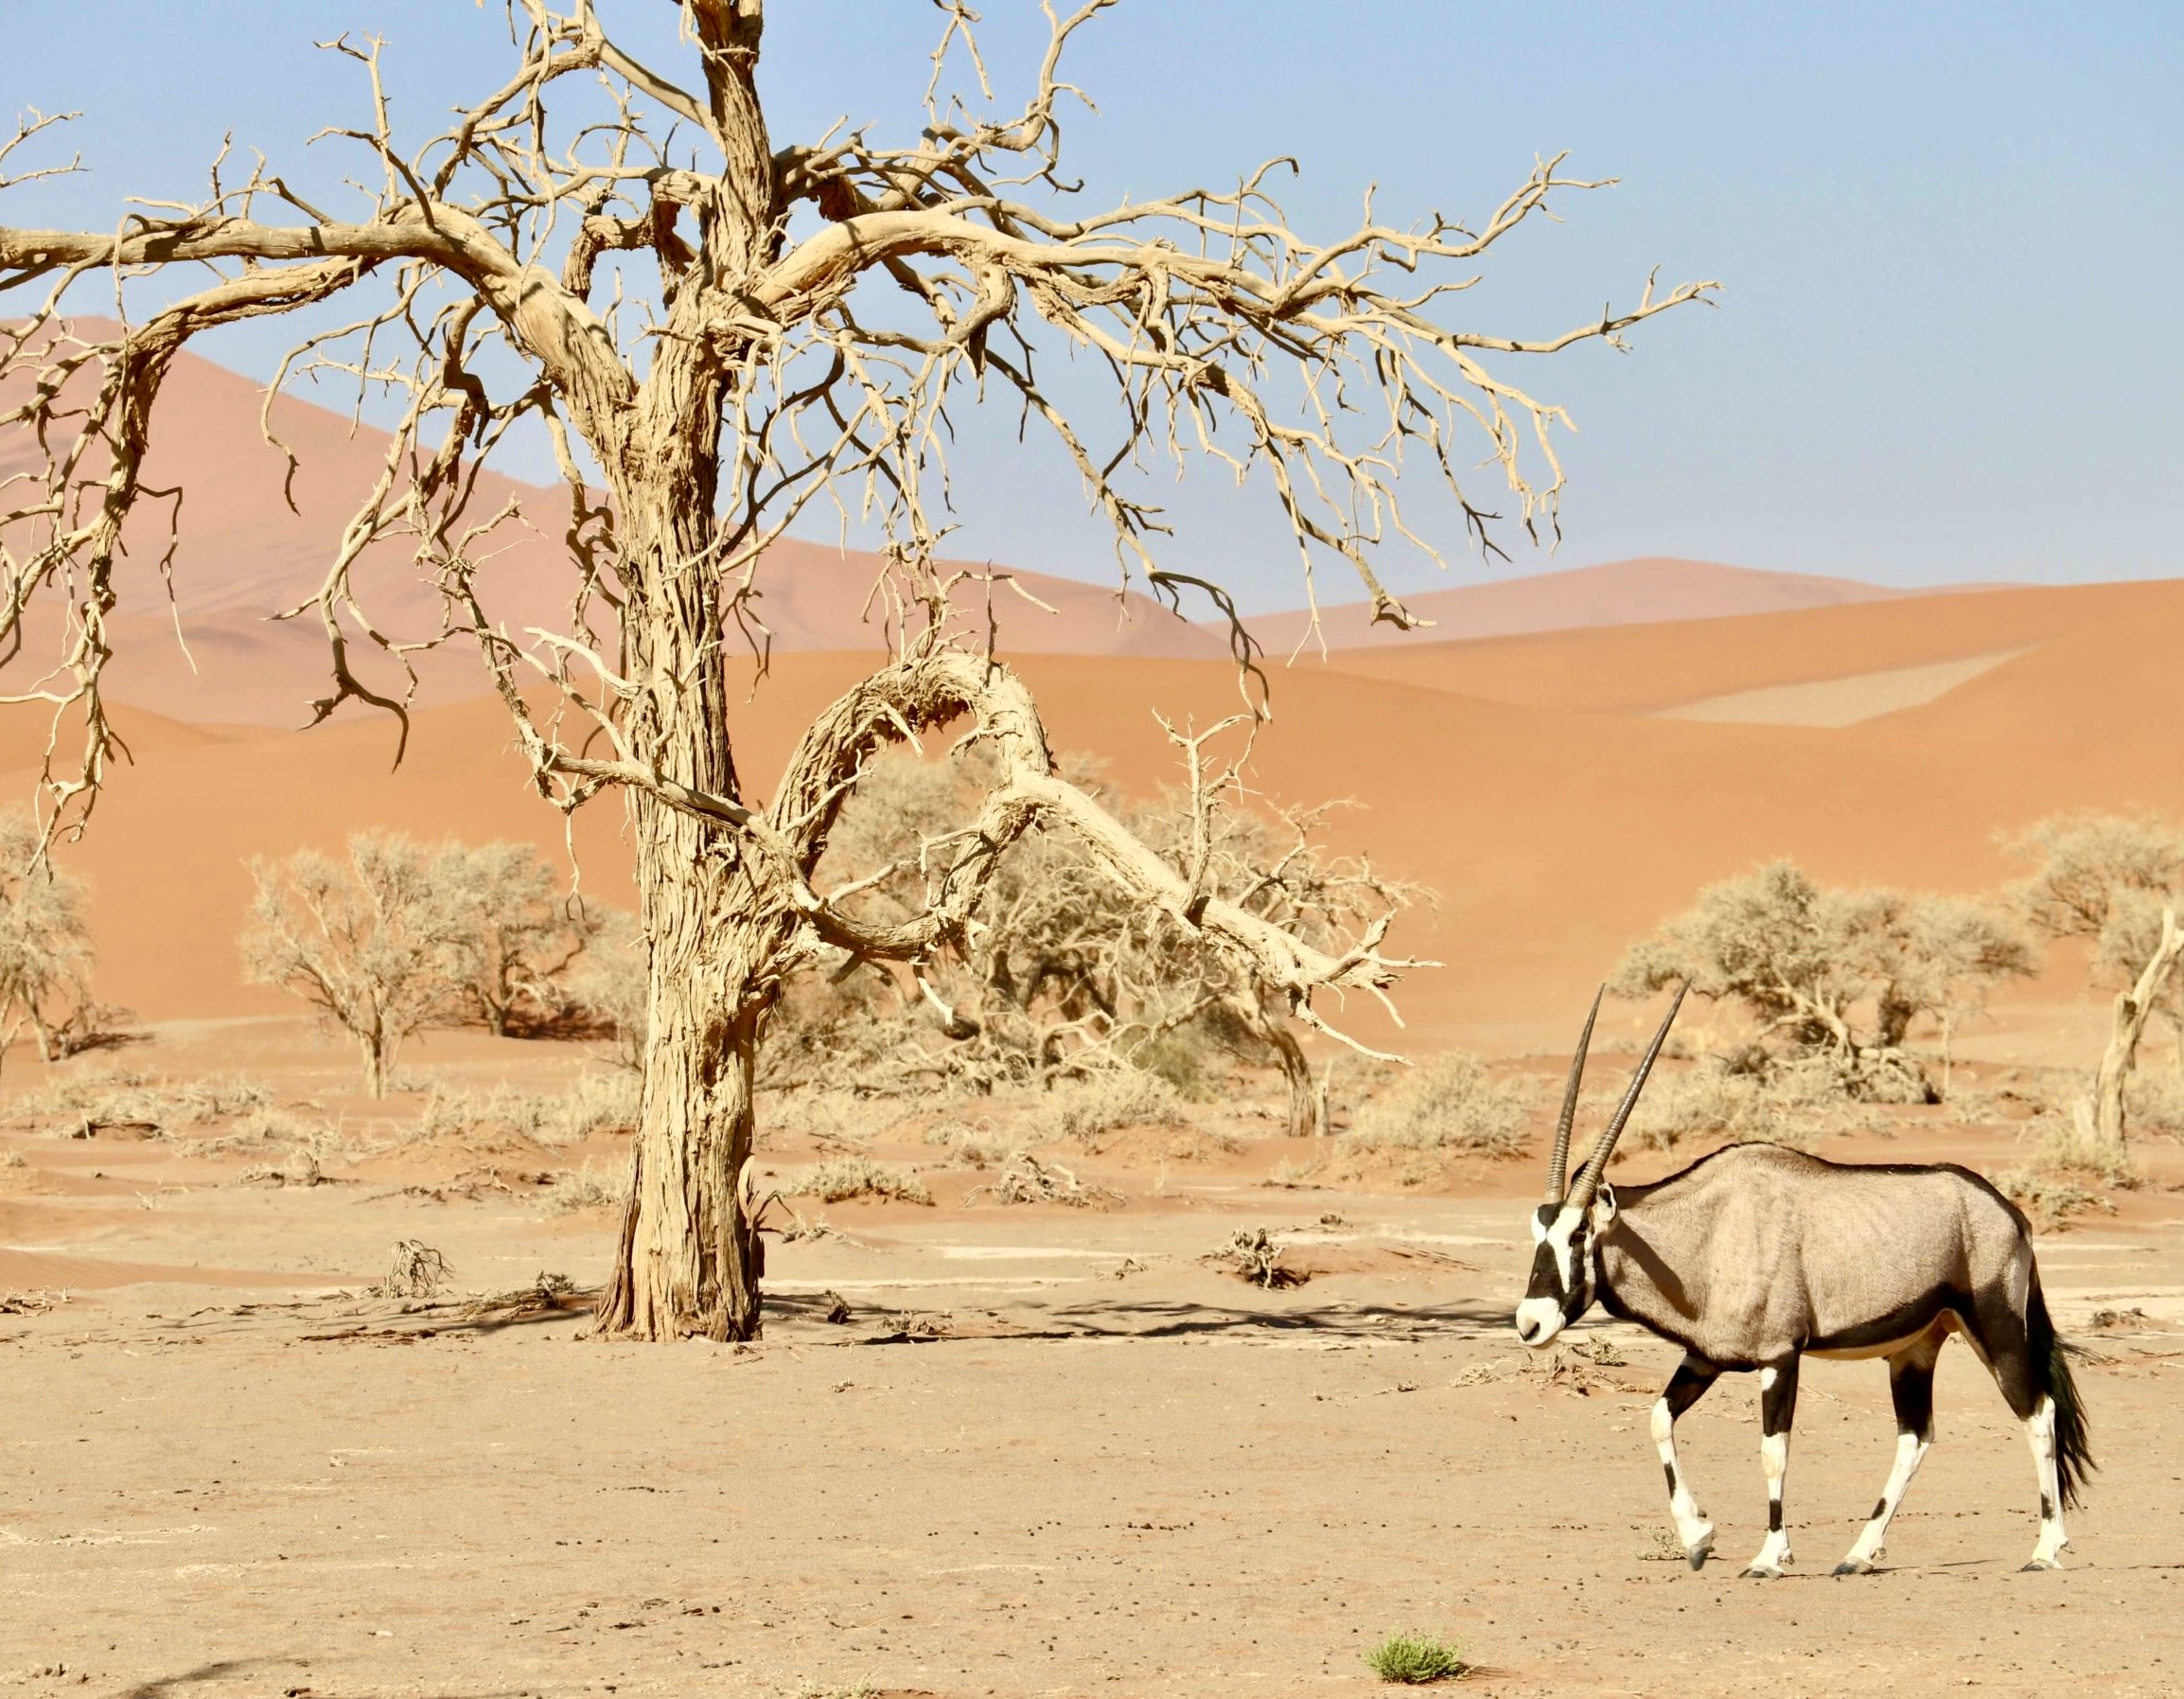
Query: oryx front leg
x=1910, y=1384
x=1685, y=1387
x=1777, y=1408
x=2041, y=1430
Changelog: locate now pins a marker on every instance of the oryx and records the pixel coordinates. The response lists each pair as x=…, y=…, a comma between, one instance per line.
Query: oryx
x=1756, y=1256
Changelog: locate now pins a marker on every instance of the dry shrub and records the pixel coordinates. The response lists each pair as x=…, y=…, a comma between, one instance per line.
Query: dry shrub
x=2015, y=1098
x=1447, y=1103
x=261, y=1128
x=2155, y=1102
x=597, y=1103
x=124, y=1098
x=976, y=1145
x=584, y=1188
x=819, y=1113
x=838, y=1178
x=1255, y=1255
x=417, y=1272
x=2051, y=1200
x=13, y=1158
x=1793, y=1104
x=1085, y=1109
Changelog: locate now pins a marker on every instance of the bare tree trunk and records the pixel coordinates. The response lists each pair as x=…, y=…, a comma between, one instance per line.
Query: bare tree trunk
x=1307, y=1096
x=2126, y=1026
x=1305, y=1101
x=689, y=1259
x=376, y=1062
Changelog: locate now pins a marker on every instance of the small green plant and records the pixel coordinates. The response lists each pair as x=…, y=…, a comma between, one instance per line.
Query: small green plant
x=1417, y=1658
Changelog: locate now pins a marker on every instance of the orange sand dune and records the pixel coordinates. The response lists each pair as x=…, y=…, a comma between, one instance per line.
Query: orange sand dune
x=1552, y=838
x=1648, y=667
x=243, y=555
x=1648, y=589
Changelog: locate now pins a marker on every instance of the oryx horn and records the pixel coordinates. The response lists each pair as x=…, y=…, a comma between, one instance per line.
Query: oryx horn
x=1558, y=1164
x=1589, y=1178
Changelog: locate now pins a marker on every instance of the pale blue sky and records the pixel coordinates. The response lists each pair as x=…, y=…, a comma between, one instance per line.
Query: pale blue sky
x=1951, y=235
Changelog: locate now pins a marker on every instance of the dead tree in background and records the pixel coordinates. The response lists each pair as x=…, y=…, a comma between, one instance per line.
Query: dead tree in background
x=1051, y=979
x=721, y=336
x=2116, y=882
x=374, y=941
x=1829, y=974
x=46, y=953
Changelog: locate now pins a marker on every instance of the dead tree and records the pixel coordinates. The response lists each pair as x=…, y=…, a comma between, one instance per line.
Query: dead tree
x=1839, y=975
x=2116, y=882
x=520, y=935
x=374, y=941
x=724, y=328
x=46, y=953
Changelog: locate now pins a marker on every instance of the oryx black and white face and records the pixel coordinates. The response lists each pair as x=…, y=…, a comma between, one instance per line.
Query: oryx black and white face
x=1568, y=1226
x=1560, y=1290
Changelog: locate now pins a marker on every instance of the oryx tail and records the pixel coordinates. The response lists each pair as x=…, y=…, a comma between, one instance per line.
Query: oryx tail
x=2052, y=1354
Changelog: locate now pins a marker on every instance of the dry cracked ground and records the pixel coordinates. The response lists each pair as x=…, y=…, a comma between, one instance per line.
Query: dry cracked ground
x=1050, y=1450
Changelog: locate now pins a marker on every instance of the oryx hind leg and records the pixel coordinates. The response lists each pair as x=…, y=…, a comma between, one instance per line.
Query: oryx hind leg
x=1910, y=1384
x=1777, y=1410
x=1693, y=1375
x=2002, y=1325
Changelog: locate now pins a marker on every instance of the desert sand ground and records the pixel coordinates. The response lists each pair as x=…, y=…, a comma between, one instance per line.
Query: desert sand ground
x=1050, y=1450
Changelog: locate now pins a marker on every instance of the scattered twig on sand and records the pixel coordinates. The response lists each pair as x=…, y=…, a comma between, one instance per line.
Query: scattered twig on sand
x=546, y=1294
x=1574, y=1370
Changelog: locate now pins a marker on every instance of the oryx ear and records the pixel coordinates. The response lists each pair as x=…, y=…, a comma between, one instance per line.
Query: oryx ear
x=1603, y=1208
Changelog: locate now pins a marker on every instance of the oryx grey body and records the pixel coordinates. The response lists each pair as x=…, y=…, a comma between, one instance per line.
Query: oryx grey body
x=1758, y=1253
x=1756, y=1257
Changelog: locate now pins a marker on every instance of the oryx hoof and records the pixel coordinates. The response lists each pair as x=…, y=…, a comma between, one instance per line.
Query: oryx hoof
x=2041, y=1562
x=1701, y=1550
x=1854, y=1566
x=1758, y=1573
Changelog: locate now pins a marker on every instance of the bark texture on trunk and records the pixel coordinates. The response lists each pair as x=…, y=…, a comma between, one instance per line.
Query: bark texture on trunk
x=688, y=1257
x=2126, y=1026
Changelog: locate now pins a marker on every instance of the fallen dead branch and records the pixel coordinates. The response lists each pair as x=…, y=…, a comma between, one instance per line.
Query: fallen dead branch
x=1026, y=1179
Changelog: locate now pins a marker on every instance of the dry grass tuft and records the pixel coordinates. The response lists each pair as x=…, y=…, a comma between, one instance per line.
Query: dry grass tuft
x=1447, y=1103
x=2155, y=1100
x=584, y=1188
x=598, y=1103
x=1102, y=1102
x=976, y=1145
x=2050, y=1199
x=128, y=1099
x=839, y=1179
